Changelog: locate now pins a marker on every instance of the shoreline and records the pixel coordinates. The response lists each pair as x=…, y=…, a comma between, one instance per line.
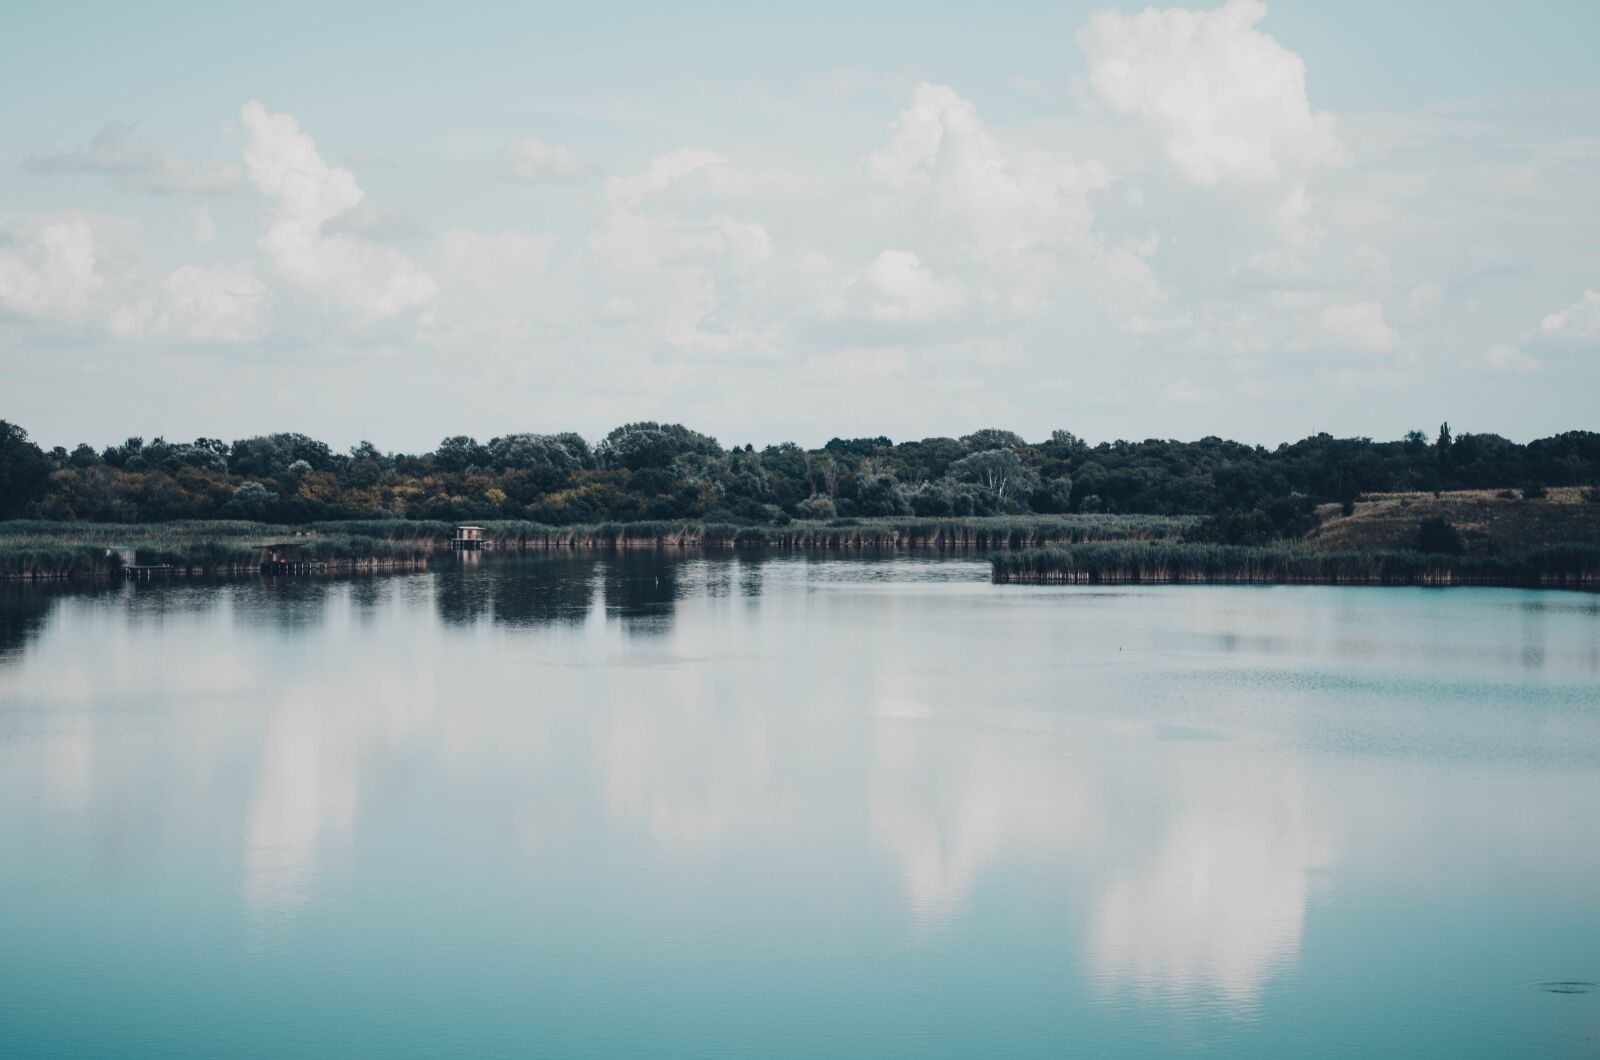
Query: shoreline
x=1034, y=550
x=1569, y=566
x=35, y=550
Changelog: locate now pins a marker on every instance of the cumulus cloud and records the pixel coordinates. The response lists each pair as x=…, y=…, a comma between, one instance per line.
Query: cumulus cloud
x=629, y=191
x=493, y=259
x=533, y=159
x=1016, y=226
x=50, y=271
x=1183, y=392
x=940, y=151
x=1578, y=323
x=198, y=304
x=1509, y=359
x=1357, y=326
x=380, y=225
x=136, y=166
x=903, y=289
x=78, y=273
x=1227, y=102
x=945, y=230
x=858, y=363
x=700, y=277
x=368, y=281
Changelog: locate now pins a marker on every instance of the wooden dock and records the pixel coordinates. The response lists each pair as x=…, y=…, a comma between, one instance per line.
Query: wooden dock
x=292, y=566
x=145, y=570
x=288, y=557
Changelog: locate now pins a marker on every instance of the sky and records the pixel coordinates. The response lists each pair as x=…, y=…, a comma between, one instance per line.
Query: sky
x=398, y=222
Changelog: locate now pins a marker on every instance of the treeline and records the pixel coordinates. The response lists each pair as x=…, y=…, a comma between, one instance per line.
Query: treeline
x=651, y=471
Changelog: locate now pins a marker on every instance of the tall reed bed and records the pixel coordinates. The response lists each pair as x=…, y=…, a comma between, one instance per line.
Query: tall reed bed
x=958, y=533
x=50, y=555
x=36, y=548
x=1567, y=565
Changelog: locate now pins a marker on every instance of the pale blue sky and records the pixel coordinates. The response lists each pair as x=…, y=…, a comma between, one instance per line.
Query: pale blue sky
x=791, y=224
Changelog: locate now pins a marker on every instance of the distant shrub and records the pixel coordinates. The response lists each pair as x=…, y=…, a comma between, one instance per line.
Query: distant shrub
x=817, y=506
x=1440, y=537
x=1533, y=491
x=1348, y=495
x=1274, y=519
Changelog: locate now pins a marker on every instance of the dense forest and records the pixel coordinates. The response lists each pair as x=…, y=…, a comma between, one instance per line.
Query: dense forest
x=644, y=471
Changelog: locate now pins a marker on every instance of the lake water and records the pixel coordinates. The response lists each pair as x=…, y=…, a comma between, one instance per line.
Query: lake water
x=734, y=807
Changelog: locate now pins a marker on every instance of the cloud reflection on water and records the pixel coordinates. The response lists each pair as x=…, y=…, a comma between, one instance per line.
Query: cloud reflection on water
x=719, y=718
x=1217, y=902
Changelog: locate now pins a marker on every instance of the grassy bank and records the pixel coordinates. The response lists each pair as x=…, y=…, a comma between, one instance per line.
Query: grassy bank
x=1489, y=521
x=43, y=549
x=1559, y=566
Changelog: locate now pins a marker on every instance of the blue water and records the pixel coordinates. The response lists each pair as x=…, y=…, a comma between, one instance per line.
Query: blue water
x=730, y=807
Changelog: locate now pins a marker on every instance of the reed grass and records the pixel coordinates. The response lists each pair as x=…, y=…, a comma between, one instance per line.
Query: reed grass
x=38, y=548
x=953, y=533
x=1564, y=565
x=34, y=549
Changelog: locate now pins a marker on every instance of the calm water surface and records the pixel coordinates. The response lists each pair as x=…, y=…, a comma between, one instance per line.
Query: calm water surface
x=723, y=807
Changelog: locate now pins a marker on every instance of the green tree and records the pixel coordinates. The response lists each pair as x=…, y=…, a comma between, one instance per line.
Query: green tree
x=992, y=438
x=999, y=472
x=24, y=470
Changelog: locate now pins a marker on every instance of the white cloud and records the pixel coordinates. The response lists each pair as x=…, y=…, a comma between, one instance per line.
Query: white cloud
x=75, y=272
x=368, y=281
x=202, y=228
x=1357, y=326
x=1182, y=392
x=112, y=151
x=903, y=289
x=368, y=221
x=998, y=240
x=50, y=271
x=1228, y=101
x=858, y=363
x=699, y=278
x=1424, y=297
x=1013, y=227
x=197, y=304
x=619, y=307
x=1577, y=323
x=1509, y=359
x=534, y=159
x=136, y=166
x=493, y=259
x=941, y=153
x=629, y=192
x=640, y=244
